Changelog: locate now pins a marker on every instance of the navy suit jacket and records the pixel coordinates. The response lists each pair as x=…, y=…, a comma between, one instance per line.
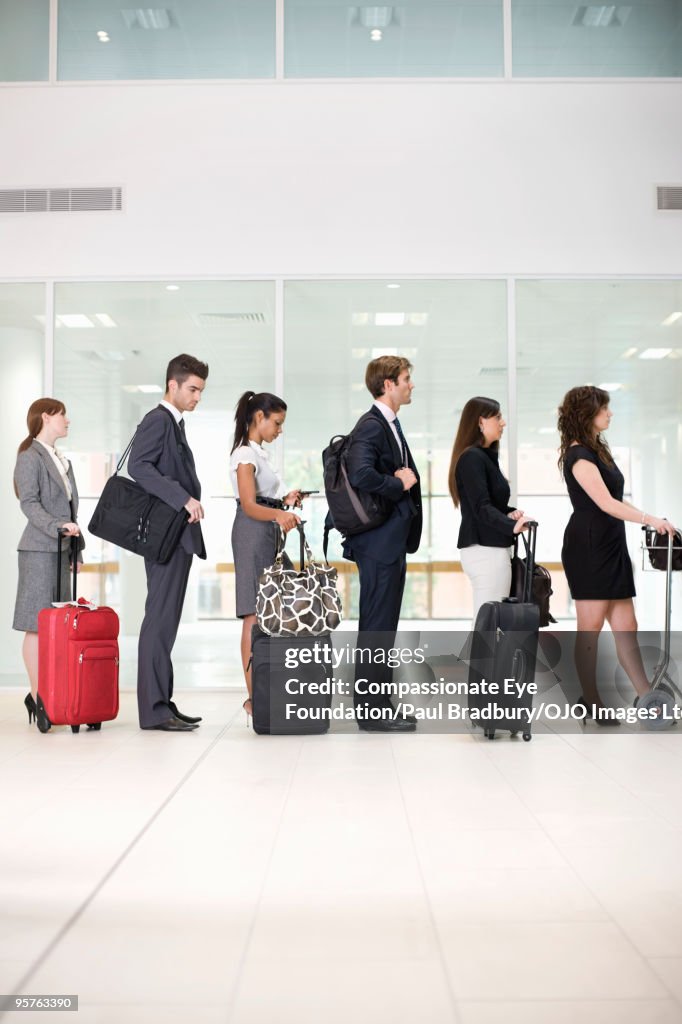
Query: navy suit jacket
x=165, y=468
x=373, y=459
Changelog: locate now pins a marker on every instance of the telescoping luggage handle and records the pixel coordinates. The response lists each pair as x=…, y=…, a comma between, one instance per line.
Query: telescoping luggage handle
x=530, y=537
x=61, y=532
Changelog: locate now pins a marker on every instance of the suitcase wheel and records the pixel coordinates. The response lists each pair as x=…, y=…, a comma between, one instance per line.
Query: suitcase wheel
x=42, y=721
x=75, y=728
x=527, y=737
x=489, y=734
x=513, y=735
x=95, y=725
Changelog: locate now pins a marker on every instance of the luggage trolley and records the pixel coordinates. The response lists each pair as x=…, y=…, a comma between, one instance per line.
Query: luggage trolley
x=666, y=558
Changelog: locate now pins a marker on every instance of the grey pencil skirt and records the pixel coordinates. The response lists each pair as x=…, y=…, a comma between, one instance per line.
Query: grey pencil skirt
x=37, y=587
x=254, y=546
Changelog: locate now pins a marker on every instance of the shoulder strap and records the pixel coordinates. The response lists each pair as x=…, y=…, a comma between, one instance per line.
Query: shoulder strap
x=176, y=430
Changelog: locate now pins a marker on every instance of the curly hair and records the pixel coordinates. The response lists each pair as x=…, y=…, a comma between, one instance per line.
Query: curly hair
x=576, y=422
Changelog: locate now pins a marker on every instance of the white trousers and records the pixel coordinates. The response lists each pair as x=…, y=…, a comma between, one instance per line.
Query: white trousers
x=489, y=572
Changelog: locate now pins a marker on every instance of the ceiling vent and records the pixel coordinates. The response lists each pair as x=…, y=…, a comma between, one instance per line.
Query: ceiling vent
x=669, y=197
x=60, y=200
x=219, y=319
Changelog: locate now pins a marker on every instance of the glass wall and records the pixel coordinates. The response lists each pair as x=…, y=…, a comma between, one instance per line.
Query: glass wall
x=562, y=39
x=101, y=39
x=416, y=39
x=112, y=345
x=24, y=40
x=22, y=325
x=454, y=333
x=623, y=336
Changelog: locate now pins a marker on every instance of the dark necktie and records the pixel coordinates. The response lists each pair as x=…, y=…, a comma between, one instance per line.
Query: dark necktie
x=181, y=424
x=403, y=442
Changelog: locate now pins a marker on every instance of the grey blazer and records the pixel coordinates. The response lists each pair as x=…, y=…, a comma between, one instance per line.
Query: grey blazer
x=43, y=500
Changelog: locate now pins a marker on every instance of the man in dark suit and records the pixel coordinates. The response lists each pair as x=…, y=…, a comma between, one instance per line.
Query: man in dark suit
x=162, y=462
x=381, y=463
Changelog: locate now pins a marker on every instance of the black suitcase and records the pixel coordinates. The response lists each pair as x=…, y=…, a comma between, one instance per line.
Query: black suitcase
x=504, y=647
x=289, y=677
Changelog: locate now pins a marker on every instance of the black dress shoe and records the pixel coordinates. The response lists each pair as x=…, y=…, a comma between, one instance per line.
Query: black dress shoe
x=183, y=718
x=172, y=725
x=387, y=725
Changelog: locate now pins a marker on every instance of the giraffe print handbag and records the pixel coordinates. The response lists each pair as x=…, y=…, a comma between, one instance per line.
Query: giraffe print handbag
x=303, y=602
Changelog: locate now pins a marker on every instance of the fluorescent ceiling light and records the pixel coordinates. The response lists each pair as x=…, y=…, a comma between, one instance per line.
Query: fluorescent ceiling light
x=359, y=353
x=359, y=319
x=150, y=389
x=105, y=320
x=147, y=17
x=172, y=287
x=74, y=320
x=601, y=16
x=393, y=286
x=669, y=320
x=389, y=319
x=610, y=386
x=629, y=353
x=378, y=352
x=655, y=353
x=417, y=319
x=376, y=35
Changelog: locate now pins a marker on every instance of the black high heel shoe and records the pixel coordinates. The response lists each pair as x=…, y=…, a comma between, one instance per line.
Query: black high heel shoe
x=30, y=707
x=598, y=718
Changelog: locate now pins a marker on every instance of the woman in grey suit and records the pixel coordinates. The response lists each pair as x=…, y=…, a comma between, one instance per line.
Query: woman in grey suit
x=46, y=488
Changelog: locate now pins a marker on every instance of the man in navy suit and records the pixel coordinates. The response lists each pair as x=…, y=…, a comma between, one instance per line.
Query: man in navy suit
x=380, y=462
x=161, y=461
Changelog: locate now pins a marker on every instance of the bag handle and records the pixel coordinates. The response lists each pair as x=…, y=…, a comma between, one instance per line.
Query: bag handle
x=128, y=447
x=529, y=542
x=306, y=556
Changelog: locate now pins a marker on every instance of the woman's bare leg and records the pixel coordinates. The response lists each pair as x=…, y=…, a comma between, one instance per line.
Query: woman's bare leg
x=623, y=622
x=29, y=651
x=591, y=616
x=247, y=623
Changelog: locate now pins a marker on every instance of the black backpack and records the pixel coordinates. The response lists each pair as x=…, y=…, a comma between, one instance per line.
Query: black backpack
x=350, y=511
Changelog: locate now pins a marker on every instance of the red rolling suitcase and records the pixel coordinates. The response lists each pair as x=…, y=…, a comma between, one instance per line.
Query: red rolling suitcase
x=77, y=662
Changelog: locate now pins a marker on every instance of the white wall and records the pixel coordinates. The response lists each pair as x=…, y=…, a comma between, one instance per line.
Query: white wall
x=346, y=178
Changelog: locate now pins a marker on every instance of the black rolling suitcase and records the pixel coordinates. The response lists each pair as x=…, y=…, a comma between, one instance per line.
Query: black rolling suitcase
x=289, y=678
x=503, y=649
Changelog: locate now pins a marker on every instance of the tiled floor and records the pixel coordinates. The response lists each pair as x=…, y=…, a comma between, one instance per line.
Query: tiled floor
x=225, y=877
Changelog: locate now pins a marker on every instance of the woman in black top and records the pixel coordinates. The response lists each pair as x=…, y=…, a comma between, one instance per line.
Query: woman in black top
x=594, y=554
x=478, y=487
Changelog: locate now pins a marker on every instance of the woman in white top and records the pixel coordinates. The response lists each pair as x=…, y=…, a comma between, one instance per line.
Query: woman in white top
x=46, y=488
x=259, y=419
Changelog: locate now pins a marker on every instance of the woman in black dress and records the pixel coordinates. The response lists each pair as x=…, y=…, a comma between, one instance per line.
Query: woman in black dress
x=594, y=554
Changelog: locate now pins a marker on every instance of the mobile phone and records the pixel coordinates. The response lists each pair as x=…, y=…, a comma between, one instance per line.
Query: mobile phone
x=306, y=494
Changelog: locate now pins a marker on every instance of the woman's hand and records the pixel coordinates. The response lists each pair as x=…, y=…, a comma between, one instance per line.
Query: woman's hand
x=660, y=525
x=516, y=514
x=522, y=523
x=293, y=499
x=72, y=529
x=287, y=520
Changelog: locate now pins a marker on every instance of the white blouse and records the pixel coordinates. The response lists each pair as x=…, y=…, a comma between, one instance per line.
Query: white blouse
x=62, y=464
x=268, y=483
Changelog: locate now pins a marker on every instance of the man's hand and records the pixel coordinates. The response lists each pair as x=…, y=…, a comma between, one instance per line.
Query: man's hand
x=407, y=477
x=195, y=510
